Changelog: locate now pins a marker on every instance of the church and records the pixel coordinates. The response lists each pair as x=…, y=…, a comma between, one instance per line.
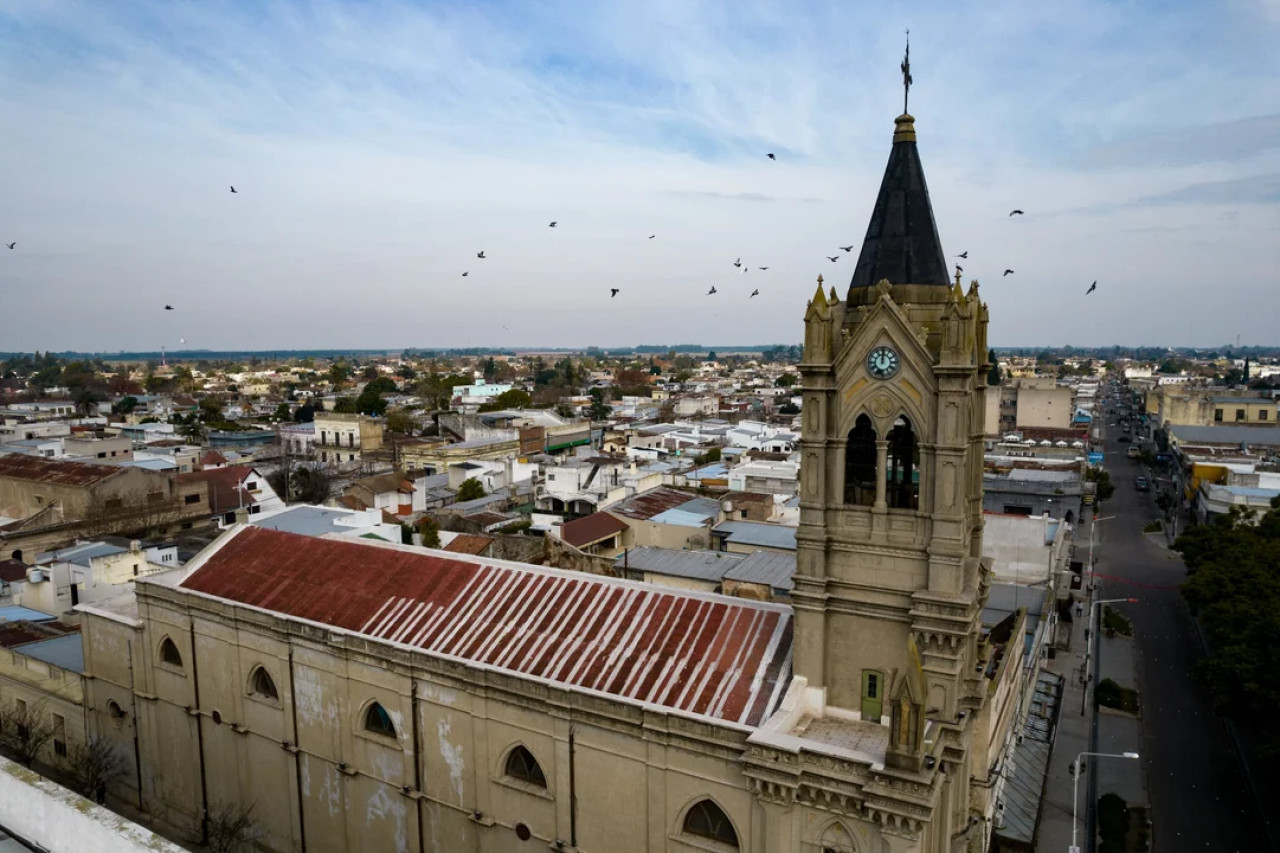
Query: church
x=376, y=697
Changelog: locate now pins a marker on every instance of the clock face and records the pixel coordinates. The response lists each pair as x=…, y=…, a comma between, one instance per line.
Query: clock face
x=882, y=362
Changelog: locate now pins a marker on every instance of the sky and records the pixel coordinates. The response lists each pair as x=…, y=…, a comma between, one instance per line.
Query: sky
x=377, y=146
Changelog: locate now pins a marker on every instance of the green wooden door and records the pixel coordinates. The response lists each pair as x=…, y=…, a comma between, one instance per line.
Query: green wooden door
x=872, y=694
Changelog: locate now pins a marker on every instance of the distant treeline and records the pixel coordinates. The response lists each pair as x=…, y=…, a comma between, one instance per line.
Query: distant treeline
x=1145, y=353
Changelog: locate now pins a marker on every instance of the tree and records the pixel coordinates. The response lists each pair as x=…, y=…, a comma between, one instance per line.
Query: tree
x=338, y=373
x=600, y=410
x=282, y=412
x=786, y=380
x=565, y=411
x=400, y=421
x=231, y=827
x=24, y=730
x=345, y=406
x=86, y=402
x=788, y=408
x=193, y=431
x=94, y=765
x=430, y=530
x=1234, y=591
x=125, y=406
x=993, y=375
x=1101, y=477
x=471, y=489
x=513, y=399
x=306, y=485
x=305, y=414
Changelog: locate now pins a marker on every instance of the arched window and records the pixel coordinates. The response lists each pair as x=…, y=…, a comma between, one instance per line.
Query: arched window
x=836, y=839
x=860, y=464
x=707, y=820
x=523, y=766
x=169, y=653
x=261, y=684
x=378, y=721
x=902, y=486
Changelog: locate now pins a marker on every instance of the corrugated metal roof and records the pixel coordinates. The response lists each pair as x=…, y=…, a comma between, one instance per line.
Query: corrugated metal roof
x=22, y=467
x=646, y=505
x=16, y=613
x=695, y=565
x=81, y=554
x=766, y=567
x=757, y=533
x=468, y=543
x=307, y=520
x=66, y=651
x=702, y=654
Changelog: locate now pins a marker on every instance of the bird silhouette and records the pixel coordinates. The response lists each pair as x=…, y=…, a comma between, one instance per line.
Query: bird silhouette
x=964, y=254
x=1007, y=272
x=480, y=254
x=959, y=268
x=738, y=262
x=11, y=245
x=711, y=291
x=613, y=291
x=553, y=224
x=846, y=248
x=754, y=294
x=762, y=268
x=651, y=236
x=1015, y=213
x=233, y=189
x=771, y=157
x=465, y=274
x=1091, y=289
x=832, y=258
x=168, y=307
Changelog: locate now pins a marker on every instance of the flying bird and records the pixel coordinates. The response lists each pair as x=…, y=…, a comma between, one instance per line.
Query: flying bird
x=754, y=294
x=964, y=254
x=762, y=268
x=738, y=262
x=480, y=254
x=553, y=223
x=613, y=291
x=651, y=236
x=168, y=307
x=959, y=268
x=831, y=258
x=1091, y=289
x=1007, y=272
x=11, y=245
x=233, y=189
x=846, y=248
x=771, y=157
x=711, y=291
x=464, y=275
x=1015, y=213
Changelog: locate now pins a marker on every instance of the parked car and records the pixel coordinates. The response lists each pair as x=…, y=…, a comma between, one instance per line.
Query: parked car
x=1133, y=452
x=1141, y=484
x=1124, y=439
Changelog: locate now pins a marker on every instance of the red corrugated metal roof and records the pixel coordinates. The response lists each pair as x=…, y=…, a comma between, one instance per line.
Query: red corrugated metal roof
x=23, y=467
x=591, y=529
x=653, y=502
x=709, y=655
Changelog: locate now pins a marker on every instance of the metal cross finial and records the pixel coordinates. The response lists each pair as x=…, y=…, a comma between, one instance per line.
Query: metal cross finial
x=906, y=74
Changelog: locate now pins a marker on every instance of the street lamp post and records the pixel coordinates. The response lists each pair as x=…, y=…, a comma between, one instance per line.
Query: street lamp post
x=1075, y=789
x=1091, y=637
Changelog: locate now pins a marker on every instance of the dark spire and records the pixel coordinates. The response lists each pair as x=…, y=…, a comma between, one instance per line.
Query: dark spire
x=902, y=242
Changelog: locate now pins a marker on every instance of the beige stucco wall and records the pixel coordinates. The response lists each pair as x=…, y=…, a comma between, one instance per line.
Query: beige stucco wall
x=1045, y=407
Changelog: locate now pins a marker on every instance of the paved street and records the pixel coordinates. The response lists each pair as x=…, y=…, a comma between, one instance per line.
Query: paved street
x=1196, y=788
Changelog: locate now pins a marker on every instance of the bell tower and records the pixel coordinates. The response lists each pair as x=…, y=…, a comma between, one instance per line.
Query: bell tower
x=890, y=579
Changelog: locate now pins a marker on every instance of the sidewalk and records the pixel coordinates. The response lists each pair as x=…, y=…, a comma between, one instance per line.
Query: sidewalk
x=1117, y=733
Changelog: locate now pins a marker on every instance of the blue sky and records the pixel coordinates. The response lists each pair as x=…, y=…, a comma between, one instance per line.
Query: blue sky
x=377, y=147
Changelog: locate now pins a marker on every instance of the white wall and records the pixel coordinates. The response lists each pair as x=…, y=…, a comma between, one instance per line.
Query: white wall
x=43, y=813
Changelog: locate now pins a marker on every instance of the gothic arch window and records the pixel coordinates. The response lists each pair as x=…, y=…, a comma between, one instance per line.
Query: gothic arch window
x=705, y=819
x=169, y=653
x=837, y=839
x=523, y=766
x=902, y=484
x=377, y=721
x=261, y=684
x=860, y=464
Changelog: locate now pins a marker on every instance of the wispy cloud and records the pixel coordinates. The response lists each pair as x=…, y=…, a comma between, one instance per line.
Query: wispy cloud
x=379, y=145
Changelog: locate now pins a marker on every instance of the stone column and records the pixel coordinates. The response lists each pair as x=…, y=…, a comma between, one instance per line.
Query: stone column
x=882, y=471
